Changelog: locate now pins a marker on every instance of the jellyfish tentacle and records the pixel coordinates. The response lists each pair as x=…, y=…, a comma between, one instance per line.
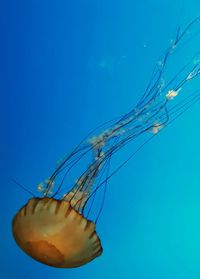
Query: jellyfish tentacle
x=152, y=113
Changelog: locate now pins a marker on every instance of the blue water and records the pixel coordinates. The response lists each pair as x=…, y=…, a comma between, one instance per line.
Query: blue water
x=68, y=66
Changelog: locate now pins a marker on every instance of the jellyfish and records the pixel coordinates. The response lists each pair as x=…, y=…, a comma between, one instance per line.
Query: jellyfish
x=56, y=228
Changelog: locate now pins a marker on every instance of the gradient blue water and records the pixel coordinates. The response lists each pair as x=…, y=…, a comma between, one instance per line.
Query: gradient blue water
x=66, y=67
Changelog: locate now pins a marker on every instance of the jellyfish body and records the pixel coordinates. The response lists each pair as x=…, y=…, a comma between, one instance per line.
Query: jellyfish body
x=54, y=233
x=57, y=232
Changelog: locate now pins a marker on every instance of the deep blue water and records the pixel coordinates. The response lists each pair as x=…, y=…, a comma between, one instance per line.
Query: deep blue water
x=68, y=66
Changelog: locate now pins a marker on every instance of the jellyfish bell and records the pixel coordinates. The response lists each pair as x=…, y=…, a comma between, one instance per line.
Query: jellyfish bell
x=53, y=232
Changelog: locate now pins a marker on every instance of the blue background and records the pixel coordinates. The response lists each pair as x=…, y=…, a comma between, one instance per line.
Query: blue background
x=66, y=67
